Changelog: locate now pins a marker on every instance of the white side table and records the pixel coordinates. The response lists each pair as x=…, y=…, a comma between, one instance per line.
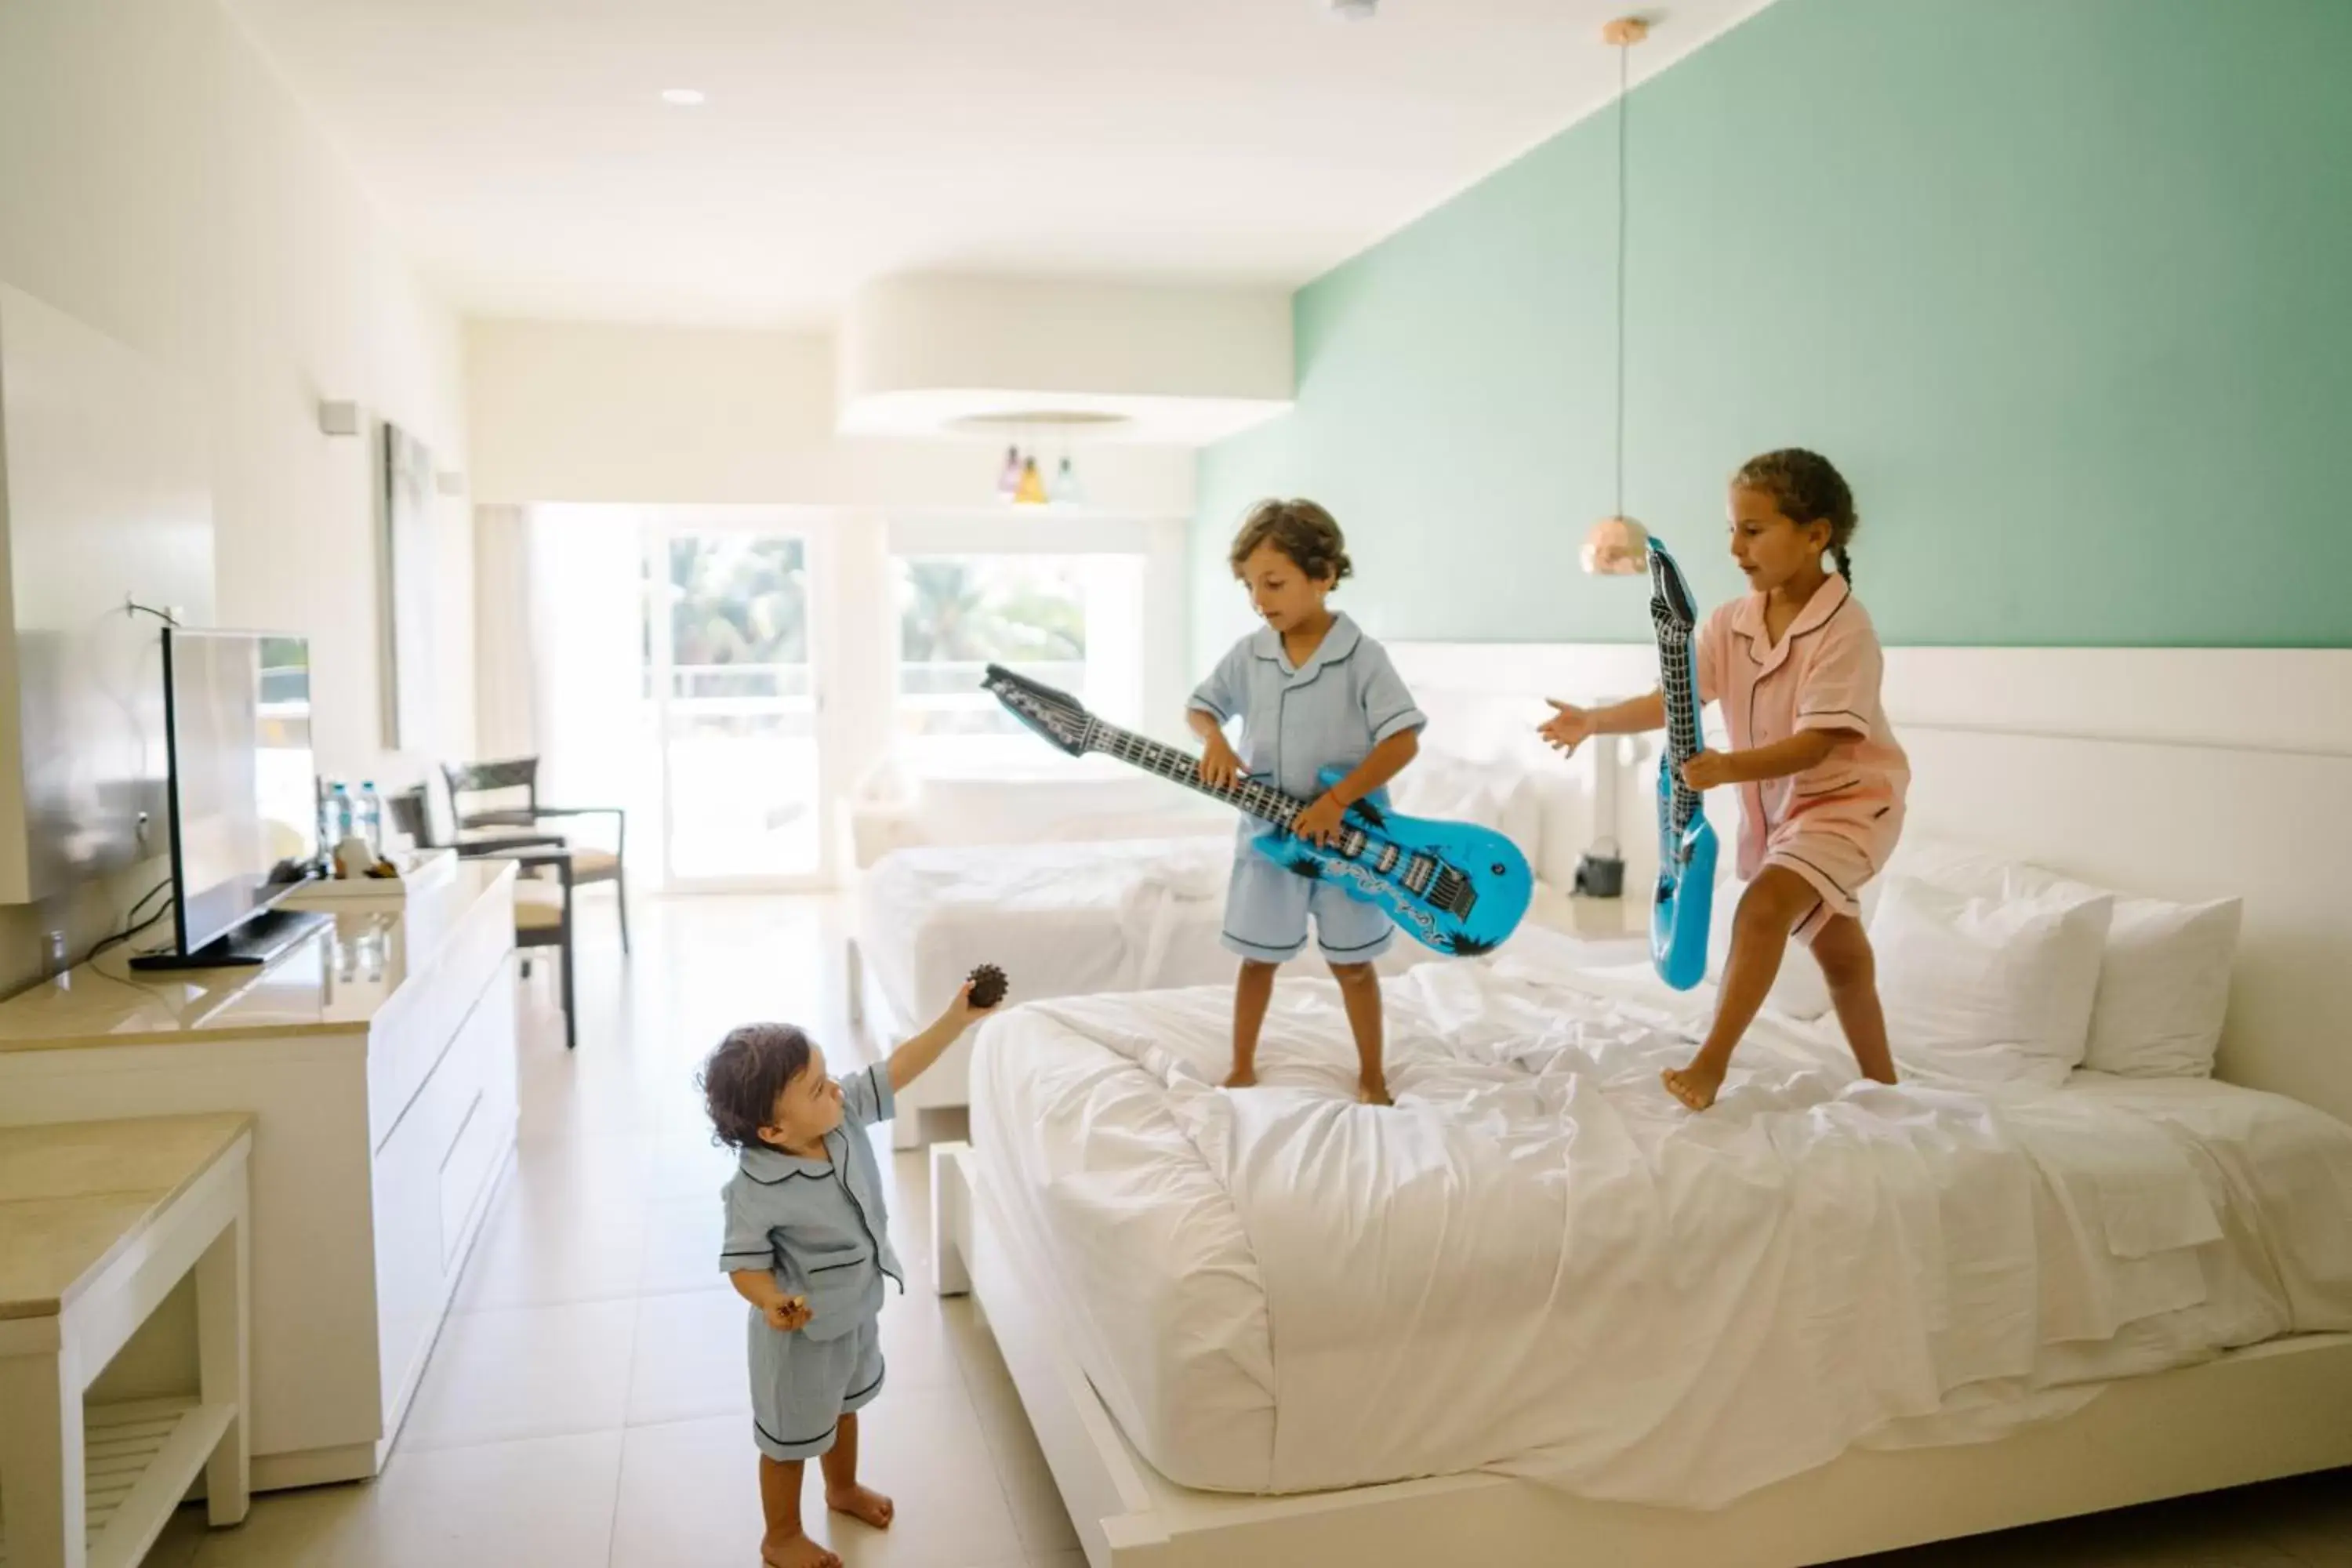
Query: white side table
x=1610, y=930
x=98, y=1221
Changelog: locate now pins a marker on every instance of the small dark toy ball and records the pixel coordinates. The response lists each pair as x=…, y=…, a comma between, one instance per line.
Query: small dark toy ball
x=987, y=985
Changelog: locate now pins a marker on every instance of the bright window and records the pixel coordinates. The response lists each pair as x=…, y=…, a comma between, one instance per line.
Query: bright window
x=1074, y=622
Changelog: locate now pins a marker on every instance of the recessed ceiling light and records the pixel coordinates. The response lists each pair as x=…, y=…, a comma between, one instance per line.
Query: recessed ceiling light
x=1354, y=10
x=684, y=97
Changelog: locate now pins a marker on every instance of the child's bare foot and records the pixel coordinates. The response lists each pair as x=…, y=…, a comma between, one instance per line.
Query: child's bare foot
x=1373, y=1092
x=1241, y=1077
x=863, y=1504
x=795, y=1551
x=1695, y=1086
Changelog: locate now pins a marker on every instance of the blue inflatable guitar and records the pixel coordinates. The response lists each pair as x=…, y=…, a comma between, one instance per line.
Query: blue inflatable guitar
x=1685, y=842
x=1453, y=886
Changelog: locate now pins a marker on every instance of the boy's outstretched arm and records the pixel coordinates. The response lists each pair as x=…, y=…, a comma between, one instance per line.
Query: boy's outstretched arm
x=910, y=1060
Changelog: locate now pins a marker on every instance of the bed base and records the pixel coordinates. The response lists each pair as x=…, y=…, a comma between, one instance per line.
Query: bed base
x=876, y=1021
x=2275, y=1410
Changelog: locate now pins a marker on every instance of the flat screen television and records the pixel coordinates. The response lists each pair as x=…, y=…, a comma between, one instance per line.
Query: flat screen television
x=243, y=805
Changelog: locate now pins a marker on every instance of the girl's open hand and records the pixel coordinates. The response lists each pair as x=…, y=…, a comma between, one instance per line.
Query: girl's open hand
x=788, y=1313
x=1707, y=771
x=1220, y=768
x=1568, y=728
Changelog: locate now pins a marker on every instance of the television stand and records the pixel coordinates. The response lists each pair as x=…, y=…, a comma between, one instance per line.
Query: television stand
x=258, y=941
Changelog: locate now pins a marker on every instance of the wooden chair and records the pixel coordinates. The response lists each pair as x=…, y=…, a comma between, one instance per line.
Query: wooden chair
x=542, y=905
x=514, y=807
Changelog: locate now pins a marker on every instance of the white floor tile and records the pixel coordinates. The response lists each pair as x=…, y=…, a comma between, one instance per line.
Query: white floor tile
x=682, y=1240
x=689, y=1493
x=543, y=1503
x=691, y=1358
x=322, y=1526
x=529, y=1371
x=538, y=1250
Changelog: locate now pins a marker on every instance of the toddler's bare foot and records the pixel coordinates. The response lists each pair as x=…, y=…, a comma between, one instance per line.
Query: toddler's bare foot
x=795, y=1551
x=1696, y=1085
x=1373, y=1092
x=862, y=1503
x=1241, y=1077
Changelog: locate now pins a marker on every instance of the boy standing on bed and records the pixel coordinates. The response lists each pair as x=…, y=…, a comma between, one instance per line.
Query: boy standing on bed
x=1311, y=691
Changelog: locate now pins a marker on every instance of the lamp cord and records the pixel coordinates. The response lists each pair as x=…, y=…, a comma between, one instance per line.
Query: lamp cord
x=1624, y=52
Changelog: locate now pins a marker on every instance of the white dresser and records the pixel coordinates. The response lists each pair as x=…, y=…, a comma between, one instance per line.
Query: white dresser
x=379, y=1065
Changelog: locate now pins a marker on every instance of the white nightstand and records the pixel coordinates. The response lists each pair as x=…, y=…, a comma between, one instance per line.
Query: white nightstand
x=1614, y=930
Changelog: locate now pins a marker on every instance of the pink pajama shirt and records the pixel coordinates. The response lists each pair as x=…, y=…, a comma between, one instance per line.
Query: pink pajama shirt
x=1835, y=823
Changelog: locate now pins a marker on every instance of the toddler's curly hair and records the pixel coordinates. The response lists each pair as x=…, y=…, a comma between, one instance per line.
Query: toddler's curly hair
x=740, y=1079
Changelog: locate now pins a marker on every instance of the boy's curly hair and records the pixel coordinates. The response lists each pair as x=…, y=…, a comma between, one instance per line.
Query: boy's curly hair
x=1300, y=530
x=742, y=1079
x=1807, y=488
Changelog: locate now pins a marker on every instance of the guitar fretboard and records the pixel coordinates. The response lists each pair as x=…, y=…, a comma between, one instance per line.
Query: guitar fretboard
x=1676, y=683
x=1265, y=804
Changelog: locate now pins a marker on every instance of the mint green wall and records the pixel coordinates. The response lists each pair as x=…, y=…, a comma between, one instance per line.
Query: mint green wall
x=2065, y=288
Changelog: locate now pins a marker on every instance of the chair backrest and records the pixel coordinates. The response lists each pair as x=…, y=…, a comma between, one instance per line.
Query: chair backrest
x=412, y=815
x=424, y=816
x=511, y=788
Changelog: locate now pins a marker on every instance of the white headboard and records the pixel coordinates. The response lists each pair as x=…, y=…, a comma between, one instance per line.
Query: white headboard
x=2188, y=773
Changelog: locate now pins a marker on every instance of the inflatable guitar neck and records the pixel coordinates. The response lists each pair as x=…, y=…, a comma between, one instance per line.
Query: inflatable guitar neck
x=1453, y=886
x=1686, y=846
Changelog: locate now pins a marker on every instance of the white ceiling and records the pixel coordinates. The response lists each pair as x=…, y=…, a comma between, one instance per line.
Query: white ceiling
x=522, y=150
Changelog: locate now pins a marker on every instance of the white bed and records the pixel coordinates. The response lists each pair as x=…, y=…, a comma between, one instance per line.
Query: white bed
x=1098, y=913
x=1542, y=1264
x=1616, y=1322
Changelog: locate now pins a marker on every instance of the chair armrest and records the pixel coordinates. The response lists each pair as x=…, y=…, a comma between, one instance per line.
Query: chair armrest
x=559, y=858
x=490, y=843
x=516, y=818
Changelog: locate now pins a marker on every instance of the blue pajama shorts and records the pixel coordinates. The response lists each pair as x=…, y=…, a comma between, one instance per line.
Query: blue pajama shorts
x=802, y=1387
x=1268, y=905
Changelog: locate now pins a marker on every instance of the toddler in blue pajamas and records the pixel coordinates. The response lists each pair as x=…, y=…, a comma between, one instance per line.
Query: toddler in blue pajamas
x=1311, y=691
x=808, y=1246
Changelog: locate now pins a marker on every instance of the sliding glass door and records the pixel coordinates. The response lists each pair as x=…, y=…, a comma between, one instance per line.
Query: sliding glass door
x=731, y=670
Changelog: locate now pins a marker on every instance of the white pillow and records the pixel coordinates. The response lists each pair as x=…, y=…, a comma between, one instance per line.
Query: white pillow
x=2164, y=988
x=2164, y=978
x=1798, y=992
x=1445, y=788
x=1992, y=989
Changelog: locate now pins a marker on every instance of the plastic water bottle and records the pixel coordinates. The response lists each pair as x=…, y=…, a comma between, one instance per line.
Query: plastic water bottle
x=371, y=817
x=341, y=818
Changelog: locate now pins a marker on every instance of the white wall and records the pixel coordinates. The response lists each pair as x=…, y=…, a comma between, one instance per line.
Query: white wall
x=159, y=183
x=656, y=415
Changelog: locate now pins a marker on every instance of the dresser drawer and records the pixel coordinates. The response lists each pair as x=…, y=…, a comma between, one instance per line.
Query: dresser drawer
x=431, y=1177
x=410, y=1036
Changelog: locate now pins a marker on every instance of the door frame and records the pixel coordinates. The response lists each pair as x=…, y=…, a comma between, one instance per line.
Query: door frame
x=821, y=529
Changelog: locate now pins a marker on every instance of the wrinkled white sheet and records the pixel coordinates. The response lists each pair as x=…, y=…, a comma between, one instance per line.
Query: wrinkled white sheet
x=1538, y=1264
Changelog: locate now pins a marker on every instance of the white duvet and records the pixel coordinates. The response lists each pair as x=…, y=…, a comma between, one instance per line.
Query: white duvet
x=1538, y=1264
x=1062, y=920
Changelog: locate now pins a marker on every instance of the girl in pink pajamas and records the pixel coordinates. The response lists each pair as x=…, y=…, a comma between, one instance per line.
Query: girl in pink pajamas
x=1795, y=666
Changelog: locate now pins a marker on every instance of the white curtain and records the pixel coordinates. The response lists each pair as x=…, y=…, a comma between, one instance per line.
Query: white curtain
x=504, y=717
x=593, y=722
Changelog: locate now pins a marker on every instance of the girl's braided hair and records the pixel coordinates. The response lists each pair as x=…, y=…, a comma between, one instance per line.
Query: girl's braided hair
x=1807, y=488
